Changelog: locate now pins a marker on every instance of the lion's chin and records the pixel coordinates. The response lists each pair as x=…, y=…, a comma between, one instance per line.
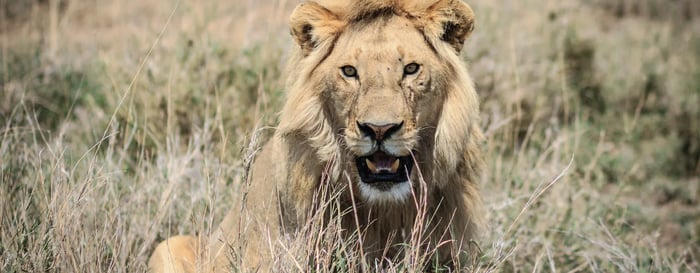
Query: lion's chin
x=383, y=177
x=385, y=193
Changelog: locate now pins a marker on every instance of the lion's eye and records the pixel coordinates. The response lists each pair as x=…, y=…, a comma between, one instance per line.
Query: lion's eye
x=411, y=69
x=349, y=71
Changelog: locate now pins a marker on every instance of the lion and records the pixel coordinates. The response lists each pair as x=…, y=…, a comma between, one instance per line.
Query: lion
x=382, y=118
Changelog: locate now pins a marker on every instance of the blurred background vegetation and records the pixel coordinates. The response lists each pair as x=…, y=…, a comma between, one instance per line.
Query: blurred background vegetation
x=123, y=123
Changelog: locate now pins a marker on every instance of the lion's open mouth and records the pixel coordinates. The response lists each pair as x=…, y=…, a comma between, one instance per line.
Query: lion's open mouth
x=381, y=167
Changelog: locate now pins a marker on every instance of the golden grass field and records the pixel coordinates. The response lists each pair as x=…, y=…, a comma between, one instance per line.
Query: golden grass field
x=125, y=122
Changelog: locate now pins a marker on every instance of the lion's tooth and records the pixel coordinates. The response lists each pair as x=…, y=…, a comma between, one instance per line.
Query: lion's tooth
x=371, y=166
x=395, y=166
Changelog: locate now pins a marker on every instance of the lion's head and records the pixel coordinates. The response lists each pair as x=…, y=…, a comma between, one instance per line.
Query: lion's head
x=378, y=91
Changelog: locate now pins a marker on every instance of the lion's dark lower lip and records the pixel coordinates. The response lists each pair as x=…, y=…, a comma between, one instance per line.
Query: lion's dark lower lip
x=401, y=174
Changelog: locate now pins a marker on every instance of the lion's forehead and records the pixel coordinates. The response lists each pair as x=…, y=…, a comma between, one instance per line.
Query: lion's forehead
x=354, y=10
x=382, y=46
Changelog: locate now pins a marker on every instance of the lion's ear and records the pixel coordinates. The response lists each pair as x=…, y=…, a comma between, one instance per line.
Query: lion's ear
x=456, y=21
x=312, y=24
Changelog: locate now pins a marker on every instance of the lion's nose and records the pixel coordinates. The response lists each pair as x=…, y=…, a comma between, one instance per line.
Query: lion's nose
x=379, y=131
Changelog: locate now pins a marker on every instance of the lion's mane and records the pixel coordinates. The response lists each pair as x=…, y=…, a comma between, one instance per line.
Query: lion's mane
x=306, y=126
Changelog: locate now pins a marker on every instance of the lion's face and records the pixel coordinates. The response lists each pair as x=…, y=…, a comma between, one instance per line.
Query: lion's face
x=380, y=94
x=378, y=90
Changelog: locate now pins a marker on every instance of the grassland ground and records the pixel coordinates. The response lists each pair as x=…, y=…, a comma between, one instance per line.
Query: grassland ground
x=122, y=124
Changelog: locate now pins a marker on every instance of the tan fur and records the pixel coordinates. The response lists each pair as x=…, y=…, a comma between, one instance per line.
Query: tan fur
x=314, y=146
x=177, y=255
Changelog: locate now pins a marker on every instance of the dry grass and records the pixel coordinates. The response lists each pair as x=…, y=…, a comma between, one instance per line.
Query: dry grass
x=123, y=124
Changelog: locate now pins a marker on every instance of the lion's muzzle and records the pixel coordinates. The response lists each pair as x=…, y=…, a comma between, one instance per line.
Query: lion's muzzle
x=382, y=166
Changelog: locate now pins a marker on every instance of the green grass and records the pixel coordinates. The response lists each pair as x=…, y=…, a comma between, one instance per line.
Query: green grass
x=114, y=137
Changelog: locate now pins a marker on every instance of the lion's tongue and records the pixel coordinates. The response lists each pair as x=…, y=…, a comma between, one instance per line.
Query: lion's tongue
x=383, y=163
